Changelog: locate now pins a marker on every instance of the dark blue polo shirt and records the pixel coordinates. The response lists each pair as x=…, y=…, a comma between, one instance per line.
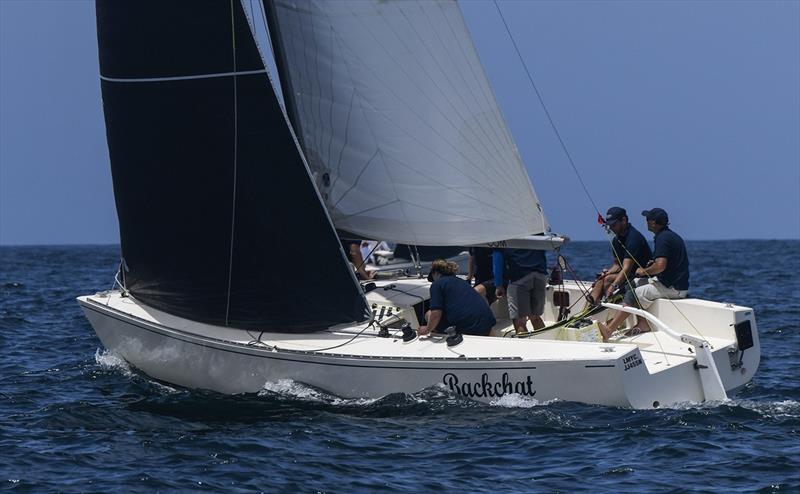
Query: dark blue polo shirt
x=670, y=245
x=520, y=262
x=631, y=245
x=482, y=257
x=461, y=305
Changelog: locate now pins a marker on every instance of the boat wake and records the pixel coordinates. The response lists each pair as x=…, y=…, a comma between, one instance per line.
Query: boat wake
x=288, y=392
x=110, y=361
x=293, y=390
x=515, y=400
x=438, y=396
x=766, y=409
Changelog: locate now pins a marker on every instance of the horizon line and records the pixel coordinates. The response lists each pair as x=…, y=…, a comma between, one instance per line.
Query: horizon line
x=109, y=244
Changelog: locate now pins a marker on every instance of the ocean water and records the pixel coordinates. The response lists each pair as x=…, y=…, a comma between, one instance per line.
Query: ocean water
x=74, y=418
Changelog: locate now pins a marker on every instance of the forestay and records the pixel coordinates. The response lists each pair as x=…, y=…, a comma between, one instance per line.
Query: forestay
x=398, y=122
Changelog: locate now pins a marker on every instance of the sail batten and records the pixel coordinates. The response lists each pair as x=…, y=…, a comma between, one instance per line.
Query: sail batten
x=399, y=123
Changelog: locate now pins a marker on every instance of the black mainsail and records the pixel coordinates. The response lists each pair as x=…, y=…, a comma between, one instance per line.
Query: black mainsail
x=218, y=215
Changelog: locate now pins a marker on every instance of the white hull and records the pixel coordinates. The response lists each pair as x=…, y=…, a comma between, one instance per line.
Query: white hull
x=633, y=372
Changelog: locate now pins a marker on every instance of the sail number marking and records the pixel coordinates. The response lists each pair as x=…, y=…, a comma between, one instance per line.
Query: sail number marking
x=631, y=361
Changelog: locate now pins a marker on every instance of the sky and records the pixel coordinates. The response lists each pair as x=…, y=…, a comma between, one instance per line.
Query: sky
x=689, y=106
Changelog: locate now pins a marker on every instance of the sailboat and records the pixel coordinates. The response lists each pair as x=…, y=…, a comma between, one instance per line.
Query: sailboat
x=387, y=129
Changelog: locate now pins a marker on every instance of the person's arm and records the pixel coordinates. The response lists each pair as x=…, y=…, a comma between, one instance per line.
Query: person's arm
x=658, y=266
x=433, y=321
x=619, y=276
x=611, y=270
x=358, y=261
x=498, y=264
x=470, y=266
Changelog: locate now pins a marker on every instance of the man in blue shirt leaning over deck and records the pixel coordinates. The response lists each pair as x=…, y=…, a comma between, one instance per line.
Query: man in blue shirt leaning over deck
x=671, y=265
x=455, y=303
x=526, y=273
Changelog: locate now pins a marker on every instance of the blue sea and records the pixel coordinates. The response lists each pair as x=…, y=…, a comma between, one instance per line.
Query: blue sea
x=74, y=418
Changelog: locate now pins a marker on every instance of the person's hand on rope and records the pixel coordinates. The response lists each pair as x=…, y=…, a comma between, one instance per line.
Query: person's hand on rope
x=642, y=272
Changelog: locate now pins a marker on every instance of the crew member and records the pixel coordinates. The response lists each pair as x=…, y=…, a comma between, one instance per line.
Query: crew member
x=454, y=303
x=670, y=264
x=352, y=249
x=630, y=251
x=480, y=269
x=525, y=272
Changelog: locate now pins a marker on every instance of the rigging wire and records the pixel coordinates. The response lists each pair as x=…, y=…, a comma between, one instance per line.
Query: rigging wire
x=546, y=111
x=569, y=156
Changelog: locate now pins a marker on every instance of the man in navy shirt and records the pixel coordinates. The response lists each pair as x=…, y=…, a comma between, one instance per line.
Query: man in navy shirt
x=629, y=250
x=454, y=303
x=670, y=264
x=525, y=273
x=480, y=268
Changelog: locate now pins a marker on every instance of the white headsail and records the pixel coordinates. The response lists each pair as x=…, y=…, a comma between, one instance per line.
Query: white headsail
x=399, y=123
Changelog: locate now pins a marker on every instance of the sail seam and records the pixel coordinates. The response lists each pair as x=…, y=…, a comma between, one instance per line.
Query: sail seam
x=499, y=188
x=468, y=124
x=505, y=182
x=182, y=77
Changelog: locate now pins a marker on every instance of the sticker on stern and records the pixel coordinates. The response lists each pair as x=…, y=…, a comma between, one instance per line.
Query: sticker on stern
x=632, y=361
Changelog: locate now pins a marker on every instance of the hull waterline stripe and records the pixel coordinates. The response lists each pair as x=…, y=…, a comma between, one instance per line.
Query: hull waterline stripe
x=182, y=77
x=259, y=355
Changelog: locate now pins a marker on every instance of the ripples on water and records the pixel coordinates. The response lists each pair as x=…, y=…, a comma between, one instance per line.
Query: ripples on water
x=75, y=418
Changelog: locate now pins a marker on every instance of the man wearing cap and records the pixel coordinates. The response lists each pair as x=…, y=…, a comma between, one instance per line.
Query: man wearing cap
x=629, y=250
x=670, y=264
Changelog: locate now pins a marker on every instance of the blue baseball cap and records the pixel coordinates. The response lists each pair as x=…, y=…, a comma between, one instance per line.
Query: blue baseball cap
x=656, y=214
x=615, y=214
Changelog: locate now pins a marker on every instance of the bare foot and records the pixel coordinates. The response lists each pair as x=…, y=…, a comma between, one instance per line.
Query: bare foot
x=605, y=331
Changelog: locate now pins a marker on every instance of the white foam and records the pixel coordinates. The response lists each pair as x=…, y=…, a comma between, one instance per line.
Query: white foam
x=289, y=388
x=772, y=409
x=515, y=400
x=108, y=360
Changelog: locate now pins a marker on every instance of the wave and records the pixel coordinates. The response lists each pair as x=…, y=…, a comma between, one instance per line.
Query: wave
x=436, y=397
x=110, y=361
x=767, y=409
x=515, y=400
x=294, y=390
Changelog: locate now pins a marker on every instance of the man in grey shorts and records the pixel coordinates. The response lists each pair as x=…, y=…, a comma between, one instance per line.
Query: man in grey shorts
x=525, y=271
